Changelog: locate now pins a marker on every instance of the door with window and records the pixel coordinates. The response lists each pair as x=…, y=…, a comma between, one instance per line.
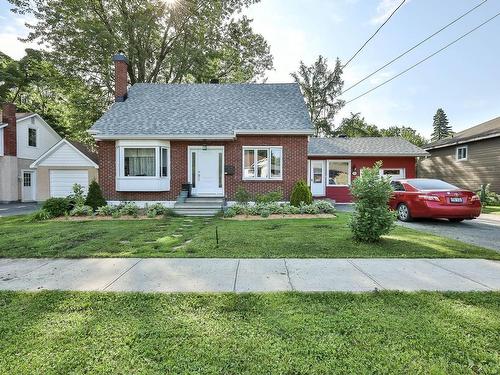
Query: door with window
x=28, y=186
x=206, y=171
x=317, y=178
x=393, y=173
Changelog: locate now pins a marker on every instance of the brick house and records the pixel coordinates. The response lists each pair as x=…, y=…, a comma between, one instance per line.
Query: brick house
x=157, y=139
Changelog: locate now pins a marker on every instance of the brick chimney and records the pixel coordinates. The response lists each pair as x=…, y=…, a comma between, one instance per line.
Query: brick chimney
x=121, y=64
x=10, y=131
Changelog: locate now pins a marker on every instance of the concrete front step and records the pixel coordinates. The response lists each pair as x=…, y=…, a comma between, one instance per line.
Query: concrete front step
x=205, y=200
x=197, y=211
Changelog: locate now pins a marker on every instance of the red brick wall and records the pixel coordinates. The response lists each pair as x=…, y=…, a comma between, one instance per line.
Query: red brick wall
x=342, y=194
x=10, y=131
x=294, y=167
x=120, y=81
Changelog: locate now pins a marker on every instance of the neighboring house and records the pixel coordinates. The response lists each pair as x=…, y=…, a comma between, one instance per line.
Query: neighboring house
x=335, y=162
x=467, y=159
x=158, y=139
x=28, y=169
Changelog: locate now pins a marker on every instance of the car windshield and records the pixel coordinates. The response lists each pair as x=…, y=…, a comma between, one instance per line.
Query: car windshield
x=430, y=184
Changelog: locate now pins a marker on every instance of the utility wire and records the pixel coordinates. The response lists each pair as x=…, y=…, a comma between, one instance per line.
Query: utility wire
x=415, y=46
x=423, y=60
x=375, y=33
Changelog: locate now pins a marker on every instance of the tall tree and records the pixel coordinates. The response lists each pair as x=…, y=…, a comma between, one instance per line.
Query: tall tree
x=165, y=41
x=321, y=88
x=67, y=103
x=441, y=126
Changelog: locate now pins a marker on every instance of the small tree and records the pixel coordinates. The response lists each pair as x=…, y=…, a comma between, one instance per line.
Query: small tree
x=372, y=216
x=301, y=194
x=95, y=198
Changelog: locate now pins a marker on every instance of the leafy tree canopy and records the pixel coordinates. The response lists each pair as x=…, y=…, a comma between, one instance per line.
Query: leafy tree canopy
x=35, y=84
x=357, y=126
x=321, y=87
x=181, y=41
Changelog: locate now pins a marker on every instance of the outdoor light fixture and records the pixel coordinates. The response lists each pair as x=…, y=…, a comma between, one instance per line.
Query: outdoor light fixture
x=204, y=147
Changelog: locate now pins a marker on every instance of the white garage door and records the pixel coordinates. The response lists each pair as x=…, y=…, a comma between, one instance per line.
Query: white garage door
x=62, y=181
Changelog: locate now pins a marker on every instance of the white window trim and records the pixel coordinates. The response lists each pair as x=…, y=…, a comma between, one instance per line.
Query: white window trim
x=348, y=172
x=402, y=171
x=142, y=183
x=255, y=148
x=36, y=137
x=466, y=152
x=1, y=142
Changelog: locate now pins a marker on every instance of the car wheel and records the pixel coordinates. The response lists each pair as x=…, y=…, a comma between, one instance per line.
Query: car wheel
x=404, y=212
x=456, y=220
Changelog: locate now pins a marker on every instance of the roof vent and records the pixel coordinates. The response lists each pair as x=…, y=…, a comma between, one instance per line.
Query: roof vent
x=215, y=81
x=342, y=136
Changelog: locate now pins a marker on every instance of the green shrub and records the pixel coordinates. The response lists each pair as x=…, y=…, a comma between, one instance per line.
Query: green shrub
x=78, y=196
x=40, y=215
x=156, y=209
x=324, y=207
x=230, y=212
x=301, y=194
x=242, y=196
x=169, y=212
x=94, y=197
x=116, y=214
x=310, y=209
x=57, y=206
x=488, y=197
x=272, y=196
x=264, y=212
x=82, y=211
x=106, y=210
x=372, y=216
x=130, y=209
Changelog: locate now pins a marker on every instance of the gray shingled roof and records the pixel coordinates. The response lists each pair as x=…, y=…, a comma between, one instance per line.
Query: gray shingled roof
x=363, y=146
x=488, y=129
x=206, y=109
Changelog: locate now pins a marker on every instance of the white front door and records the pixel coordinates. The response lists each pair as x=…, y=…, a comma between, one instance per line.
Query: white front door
x=206, y=171
x=28, y=186
x=317, y=178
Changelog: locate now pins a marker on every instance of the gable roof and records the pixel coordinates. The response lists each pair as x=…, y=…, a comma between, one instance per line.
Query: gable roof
x=363, y=146
x=205, y=111
x=78, y=147
x=488, y=129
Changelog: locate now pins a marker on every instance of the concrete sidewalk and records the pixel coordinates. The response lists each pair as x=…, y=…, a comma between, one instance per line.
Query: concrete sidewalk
x=249, y=275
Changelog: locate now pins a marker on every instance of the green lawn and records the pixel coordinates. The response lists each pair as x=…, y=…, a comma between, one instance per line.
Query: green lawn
x=293, y=333
x=491, y=210
x=180, y=237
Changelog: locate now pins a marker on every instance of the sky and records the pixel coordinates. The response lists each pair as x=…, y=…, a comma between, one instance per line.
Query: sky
x=464, y=79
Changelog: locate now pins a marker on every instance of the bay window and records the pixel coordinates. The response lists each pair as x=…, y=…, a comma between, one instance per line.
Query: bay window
x=142, y=165
x=339, y=172
x=261, y=163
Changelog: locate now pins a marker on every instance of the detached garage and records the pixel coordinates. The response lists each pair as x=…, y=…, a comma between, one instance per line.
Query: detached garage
x=65, y=164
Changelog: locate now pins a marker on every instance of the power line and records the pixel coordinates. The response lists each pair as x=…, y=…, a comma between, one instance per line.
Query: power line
x=415, y=46
x=375, y=33
x=423, y=60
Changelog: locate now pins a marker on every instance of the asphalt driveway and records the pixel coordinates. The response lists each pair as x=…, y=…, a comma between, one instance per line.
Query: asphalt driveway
x=17, y=208
x=483, y=231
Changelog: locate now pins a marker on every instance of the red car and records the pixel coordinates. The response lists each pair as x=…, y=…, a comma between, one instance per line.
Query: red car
x=429, y=198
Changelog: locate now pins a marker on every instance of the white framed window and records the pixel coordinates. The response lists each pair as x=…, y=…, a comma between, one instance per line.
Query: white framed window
x=339, y=172
x=32, y=137
x=262, y=163
x=164, y=162
x=462, y=153
x=139, y=162
x=393, y=173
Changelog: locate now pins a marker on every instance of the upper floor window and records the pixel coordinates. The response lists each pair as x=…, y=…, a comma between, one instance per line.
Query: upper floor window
x=262, y=163
x=462, y=153
x=32, y=137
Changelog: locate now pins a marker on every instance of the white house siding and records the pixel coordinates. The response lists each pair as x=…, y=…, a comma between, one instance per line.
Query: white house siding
x=46, y=138
x=65, y=155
